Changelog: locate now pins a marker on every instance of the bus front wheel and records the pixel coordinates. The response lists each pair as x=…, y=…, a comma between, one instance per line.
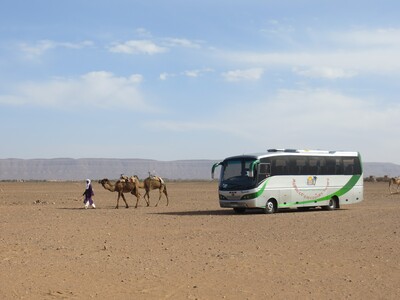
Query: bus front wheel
x=332, y=205
x=270, y=207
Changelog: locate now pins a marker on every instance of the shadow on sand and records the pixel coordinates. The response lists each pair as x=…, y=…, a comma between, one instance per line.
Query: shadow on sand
x=221, y=212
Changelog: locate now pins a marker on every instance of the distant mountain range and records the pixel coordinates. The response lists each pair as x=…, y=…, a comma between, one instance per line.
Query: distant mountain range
x=97, y=168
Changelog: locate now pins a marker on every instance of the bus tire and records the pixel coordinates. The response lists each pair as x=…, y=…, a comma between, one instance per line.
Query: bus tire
x=332, y=205
x=270, y=207
x=239, y=210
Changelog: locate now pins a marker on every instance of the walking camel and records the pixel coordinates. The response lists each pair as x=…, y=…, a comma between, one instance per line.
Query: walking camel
x=122, y=187
x=394, y=180
x=150, y=183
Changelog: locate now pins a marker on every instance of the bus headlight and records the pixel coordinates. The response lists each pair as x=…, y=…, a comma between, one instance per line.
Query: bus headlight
x=247, y=197
x=222, y=197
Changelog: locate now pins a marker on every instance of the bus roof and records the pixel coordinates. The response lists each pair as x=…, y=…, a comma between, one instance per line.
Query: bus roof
x=297, y=152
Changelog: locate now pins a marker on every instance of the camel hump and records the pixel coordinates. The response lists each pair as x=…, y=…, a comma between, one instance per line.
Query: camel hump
x=123, y=178
x=157, y=178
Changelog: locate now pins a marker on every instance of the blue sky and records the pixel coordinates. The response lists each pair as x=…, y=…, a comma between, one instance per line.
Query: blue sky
x=174, y=79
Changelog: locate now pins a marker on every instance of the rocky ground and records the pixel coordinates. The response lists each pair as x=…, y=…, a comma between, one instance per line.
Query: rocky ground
x=52, y=248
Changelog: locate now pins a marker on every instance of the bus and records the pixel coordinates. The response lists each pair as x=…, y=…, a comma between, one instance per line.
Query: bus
x=290, y=178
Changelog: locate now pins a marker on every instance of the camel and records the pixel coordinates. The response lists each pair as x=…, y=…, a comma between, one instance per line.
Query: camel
x=394, y=180
x=151, y=183
x=122, y=187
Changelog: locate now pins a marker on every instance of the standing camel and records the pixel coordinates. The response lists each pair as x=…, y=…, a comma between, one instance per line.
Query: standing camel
x=122, y=187
x=151, y=183
x=394, y=180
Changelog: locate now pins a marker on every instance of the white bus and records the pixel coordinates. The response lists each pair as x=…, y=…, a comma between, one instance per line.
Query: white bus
x=289, y=178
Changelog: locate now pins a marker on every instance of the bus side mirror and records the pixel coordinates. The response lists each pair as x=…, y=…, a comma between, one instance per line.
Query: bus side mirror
x=252, y=167
x=213, y=169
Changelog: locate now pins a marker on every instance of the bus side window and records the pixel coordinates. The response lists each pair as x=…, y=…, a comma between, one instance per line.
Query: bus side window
x=313, y=166
x=301, y=166
x=265, y=170
x=338, y=166
x=280, y=167
x=322, y=166
x=357, y=166
x=348, y=165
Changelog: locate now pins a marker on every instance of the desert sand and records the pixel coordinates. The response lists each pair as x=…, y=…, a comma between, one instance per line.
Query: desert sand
x=52, y=248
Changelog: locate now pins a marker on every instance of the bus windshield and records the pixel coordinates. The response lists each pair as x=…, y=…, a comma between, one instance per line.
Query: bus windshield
x=236, y=174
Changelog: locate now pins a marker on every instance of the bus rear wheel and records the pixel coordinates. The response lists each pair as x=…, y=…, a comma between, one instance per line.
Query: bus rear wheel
x=270, y=207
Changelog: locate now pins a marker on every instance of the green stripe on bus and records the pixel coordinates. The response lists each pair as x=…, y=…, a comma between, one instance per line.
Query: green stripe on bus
x=347, y=187
x=256, y=194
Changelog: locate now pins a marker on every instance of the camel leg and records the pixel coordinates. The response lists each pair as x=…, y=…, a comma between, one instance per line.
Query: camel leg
x=123, y=198
x=147, y=200
x=159, y=198
x=164, y=190
x=148, y=197
x=137, y=199
x=166, y=195
x=119, y=195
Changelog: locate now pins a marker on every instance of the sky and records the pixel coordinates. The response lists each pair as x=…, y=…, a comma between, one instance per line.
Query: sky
x=186, y=79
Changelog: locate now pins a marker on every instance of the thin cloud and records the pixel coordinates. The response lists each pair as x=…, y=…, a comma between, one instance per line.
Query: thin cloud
x=331, y=55
x=35, y=50
x=165, y=75
x=308, y=118
x=325, y=72
x=302, y=113
x=138, y=47
x=364, y=60
x=95, y=89
x=143, y=32
x=188, y=73
x=180, y=126
x=185, y=43
x=240, y=75
x=197, y=72
x=382, y=37
x=277, y=28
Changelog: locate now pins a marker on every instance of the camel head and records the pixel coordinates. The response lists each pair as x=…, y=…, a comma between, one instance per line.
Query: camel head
x=104, y=181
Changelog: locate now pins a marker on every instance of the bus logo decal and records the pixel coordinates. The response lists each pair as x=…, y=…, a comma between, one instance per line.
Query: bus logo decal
x=310, y=196
x=312, y=180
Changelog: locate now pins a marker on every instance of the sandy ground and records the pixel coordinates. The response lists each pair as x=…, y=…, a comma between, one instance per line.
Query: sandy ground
x=52, y=248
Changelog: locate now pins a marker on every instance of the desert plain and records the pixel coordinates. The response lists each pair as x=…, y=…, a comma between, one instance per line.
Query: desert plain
x=52, y=248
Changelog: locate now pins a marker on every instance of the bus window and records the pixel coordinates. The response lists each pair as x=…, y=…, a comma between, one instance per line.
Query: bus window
x=264, y=171
x=301, y=166
x=357, y=166
x=348, y=166
x=313, y=166
x=279, y=166
x=330, y=166
x=338, y=166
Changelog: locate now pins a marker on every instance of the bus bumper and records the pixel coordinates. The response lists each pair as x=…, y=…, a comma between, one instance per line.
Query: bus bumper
x=238, y=203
